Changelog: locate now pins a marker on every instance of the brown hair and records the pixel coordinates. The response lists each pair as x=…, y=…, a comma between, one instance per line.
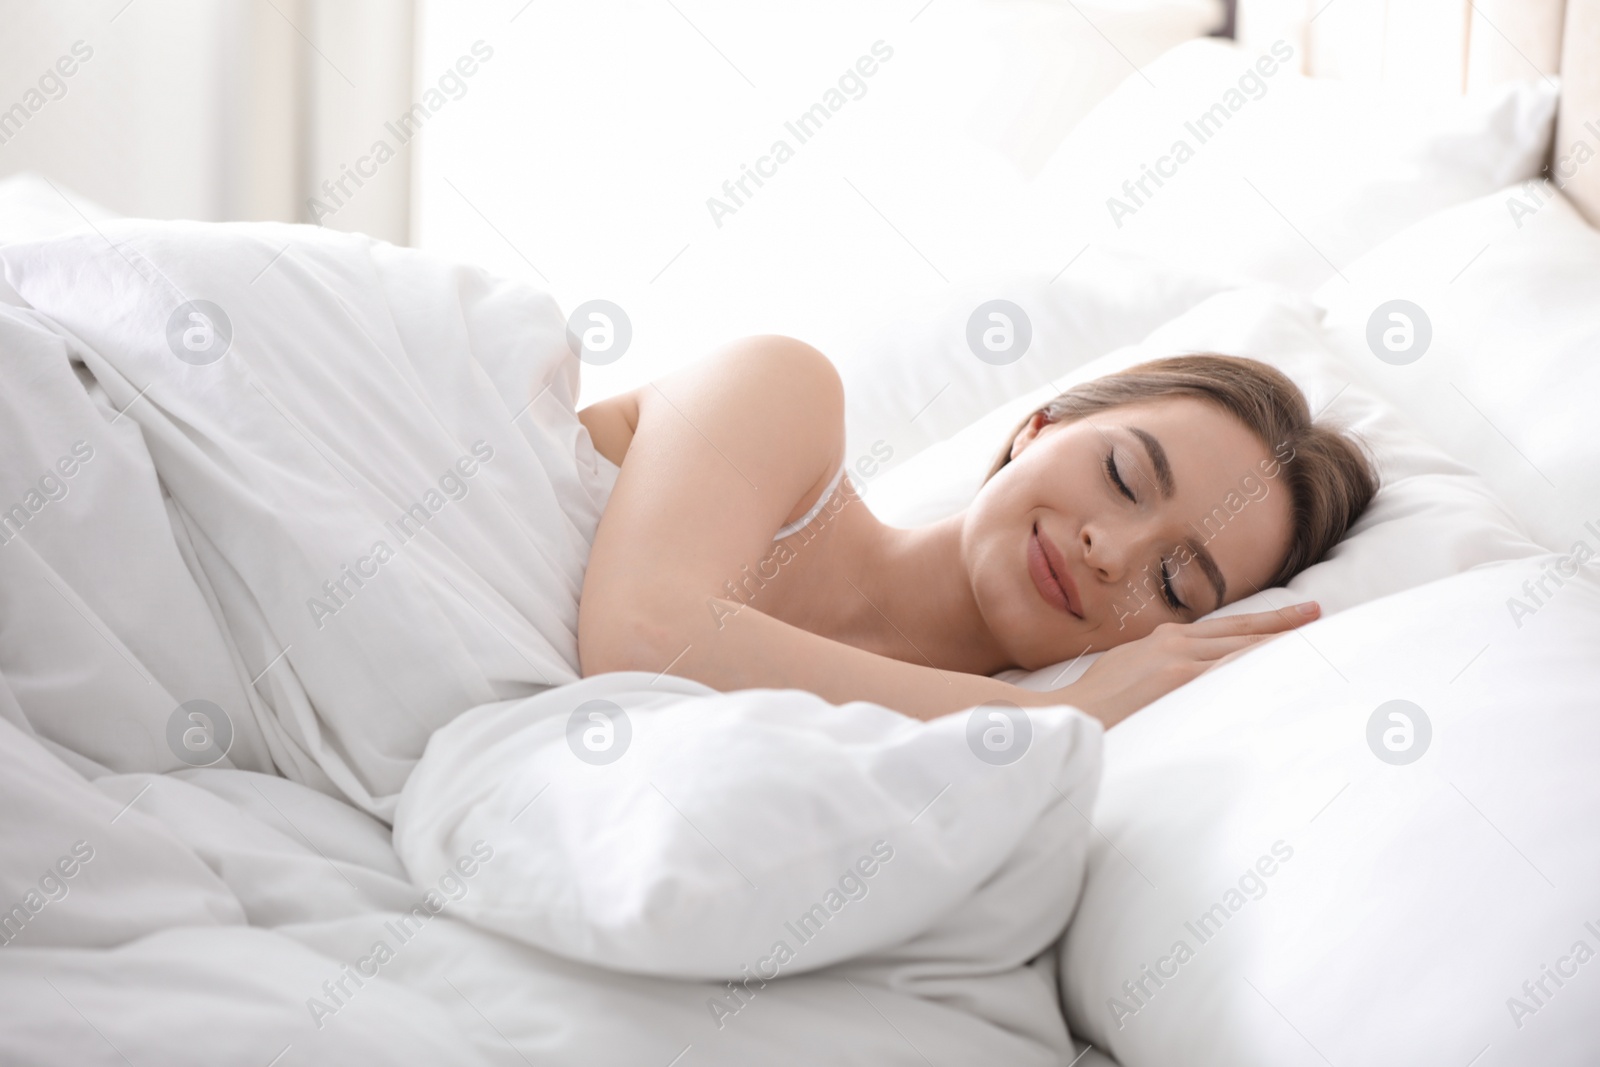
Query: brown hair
x=1329, y=476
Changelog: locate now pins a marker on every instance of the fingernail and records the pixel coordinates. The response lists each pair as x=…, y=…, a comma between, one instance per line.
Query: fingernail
x=1310, y=607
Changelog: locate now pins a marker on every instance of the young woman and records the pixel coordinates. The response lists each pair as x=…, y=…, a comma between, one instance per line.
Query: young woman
x=734, y=551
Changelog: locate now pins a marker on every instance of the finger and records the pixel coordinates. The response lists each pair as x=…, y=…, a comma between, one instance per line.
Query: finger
x=1256, y=622
x=1213, y=649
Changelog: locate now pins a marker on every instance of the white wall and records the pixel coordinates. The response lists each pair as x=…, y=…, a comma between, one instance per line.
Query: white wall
x=358, y=79
x=584, y=152
x=140, y=126
x=210, y=109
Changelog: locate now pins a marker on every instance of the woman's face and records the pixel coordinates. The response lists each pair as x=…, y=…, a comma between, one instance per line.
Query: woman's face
x=1099, y=530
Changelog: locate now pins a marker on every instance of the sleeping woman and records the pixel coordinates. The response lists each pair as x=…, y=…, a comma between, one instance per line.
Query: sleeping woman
x=1096, y=531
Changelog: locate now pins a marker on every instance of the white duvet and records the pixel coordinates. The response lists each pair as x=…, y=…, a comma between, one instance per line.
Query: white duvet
x=356, y=507
x=255, y=560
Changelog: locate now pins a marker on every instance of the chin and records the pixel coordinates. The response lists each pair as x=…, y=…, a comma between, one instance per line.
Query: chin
x=1033, y=634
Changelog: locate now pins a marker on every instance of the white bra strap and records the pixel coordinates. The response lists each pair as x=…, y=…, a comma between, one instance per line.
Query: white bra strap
x=816, y=509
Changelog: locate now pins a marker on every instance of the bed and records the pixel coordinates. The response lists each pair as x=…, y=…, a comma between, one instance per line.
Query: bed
x=279, y=795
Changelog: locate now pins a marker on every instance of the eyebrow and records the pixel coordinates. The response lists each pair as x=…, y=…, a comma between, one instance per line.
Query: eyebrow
x=1158, y=460
x=1212, y=571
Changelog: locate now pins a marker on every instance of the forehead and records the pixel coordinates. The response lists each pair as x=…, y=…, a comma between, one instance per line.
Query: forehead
x=1209, y=437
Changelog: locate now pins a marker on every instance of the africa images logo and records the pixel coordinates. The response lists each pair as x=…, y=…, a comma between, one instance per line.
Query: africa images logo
x=1202, y=128
x=805, y=126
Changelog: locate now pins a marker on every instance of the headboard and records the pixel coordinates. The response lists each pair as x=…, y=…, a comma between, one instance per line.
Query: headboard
x=1452, y=46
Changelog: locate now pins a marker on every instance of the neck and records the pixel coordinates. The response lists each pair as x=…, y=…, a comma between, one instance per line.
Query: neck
x=916, y=601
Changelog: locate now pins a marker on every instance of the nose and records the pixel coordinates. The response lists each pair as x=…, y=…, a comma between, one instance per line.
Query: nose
x=1106, y=553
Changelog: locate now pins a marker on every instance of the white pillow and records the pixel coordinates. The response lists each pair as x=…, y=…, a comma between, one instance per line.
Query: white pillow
x=1294, y=177
x=1509, y=285
x=1432, y=517
x=1049, y=64
x=1398, y=909
x=915, y=378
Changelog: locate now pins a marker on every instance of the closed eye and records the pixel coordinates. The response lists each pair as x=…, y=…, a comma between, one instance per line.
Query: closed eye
x=1167, y=591
x=1116, y=477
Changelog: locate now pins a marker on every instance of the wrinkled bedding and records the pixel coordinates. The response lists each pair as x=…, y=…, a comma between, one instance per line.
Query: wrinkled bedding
x=292, y=530
x=358, y=485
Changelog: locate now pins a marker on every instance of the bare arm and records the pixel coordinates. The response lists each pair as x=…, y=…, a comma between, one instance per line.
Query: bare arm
x=717, y=457
x=753, y=650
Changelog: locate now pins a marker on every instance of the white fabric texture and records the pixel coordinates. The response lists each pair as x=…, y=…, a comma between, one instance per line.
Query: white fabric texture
x=126, y=943
x=181, y=979
x=725, y=819
x=81, y=873
x=371, y=395
x=1290, y=178
x=33, y=207
x=911, y=378
x=182, y=528
x=1511, y=393
x=1301, y=178
x=1418, y=900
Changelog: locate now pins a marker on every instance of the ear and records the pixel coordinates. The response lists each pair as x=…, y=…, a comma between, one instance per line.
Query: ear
x=1028, y=433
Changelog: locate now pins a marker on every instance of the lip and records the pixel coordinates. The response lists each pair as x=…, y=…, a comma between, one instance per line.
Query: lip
x=1049, y=572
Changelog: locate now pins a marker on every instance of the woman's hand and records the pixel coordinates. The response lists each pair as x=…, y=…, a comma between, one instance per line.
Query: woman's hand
x=1128, y=677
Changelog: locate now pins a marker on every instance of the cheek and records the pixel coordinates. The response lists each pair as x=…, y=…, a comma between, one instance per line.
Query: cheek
x=1133, y=621
x=990, y=521
x=989, y=553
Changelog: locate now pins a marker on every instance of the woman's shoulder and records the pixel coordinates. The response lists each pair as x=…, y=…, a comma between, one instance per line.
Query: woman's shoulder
x=791, y=386
x=771, y=367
